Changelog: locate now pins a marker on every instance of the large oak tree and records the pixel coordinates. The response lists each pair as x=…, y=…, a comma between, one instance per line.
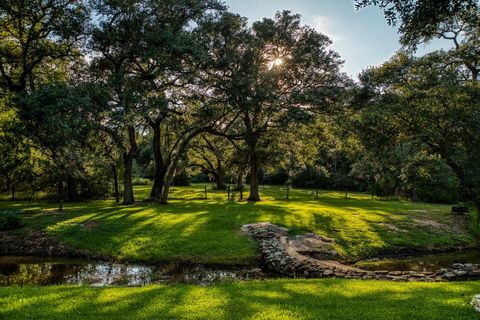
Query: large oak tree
x=271, y=76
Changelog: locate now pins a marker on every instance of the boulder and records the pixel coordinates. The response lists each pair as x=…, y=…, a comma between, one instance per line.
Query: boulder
x=476, y=302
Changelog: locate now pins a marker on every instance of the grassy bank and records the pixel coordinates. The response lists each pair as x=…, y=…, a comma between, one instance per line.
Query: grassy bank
x=275, y=299
x=191, y=228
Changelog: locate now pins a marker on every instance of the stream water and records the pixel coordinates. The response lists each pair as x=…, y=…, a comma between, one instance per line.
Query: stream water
x=421, y=263
x=53, y=271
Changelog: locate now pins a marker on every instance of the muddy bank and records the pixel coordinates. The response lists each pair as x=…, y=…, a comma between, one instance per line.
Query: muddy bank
x=40, y=245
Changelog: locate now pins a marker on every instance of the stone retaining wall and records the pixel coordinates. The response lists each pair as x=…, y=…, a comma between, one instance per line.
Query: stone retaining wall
x=283, y=253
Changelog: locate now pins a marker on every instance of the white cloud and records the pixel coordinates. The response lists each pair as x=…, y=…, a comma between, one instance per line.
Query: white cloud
x=327, y=26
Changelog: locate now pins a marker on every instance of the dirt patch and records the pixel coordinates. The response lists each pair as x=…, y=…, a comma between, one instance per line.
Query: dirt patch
x=392, y=227
x=455, y=224
x=91, y=225
x=432, y=224
x=34, y=243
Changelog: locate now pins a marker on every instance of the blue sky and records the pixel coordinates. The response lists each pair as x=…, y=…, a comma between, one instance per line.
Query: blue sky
x=362, y=38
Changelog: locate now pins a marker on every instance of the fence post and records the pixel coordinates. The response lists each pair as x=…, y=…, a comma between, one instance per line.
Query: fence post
x=206, y=192
x=316, y=194
x=288, y=190
x=228, y=192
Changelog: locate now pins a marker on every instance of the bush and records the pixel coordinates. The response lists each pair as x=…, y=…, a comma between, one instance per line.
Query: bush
x=140, y=182
x=279, y=177
x=200, y=178
x=96, y=186
x=312, y=177
x=10, y=220
x=182, y=179
x=432, y=180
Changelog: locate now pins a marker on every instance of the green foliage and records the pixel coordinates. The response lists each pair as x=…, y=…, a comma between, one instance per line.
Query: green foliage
x=416, y=126
x=419, y=19
x=43, y=35
x=430, y=179
x=270, y=71
x=140, y=182
x=311, y=177
x=278, y=177
x=10, y=220
x=182, y=179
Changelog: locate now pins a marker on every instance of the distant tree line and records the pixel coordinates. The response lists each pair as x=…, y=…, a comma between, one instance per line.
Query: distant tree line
x=96, y=96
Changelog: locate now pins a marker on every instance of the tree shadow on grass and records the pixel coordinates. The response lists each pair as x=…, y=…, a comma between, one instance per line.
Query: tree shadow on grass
x=284, y=299
x=208, y=230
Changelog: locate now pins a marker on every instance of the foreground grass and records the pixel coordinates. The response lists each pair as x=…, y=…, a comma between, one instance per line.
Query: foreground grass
x=191, y=228
x=274, y=299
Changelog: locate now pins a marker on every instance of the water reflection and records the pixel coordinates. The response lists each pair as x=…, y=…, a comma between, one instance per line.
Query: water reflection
x=422, y=263
x=29, y=270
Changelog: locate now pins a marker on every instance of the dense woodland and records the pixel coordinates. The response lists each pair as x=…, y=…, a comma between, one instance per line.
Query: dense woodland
x=97, y=96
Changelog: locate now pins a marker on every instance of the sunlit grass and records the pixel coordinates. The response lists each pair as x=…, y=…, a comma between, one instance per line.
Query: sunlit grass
x=207, y=230
x=273, y=299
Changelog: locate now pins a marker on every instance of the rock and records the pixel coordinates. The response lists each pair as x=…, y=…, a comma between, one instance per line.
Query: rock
x=381, y=272
x=460, y=273
x=264, y=230
x=312, y=255
x=328, y=273
x=475, y=272
x=449, y=275
x=418, y=275
x=476, y=302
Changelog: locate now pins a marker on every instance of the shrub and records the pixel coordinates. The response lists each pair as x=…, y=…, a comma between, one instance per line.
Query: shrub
x=182, y=179
x=431, y=180
x=200, y=178
x=10, y=220
x=278, y=177
x=140, y=182
x=312, y=177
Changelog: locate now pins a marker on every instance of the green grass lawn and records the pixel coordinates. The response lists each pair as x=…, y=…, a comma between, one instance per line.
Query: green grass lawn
x=273, y=299
x=191, y=228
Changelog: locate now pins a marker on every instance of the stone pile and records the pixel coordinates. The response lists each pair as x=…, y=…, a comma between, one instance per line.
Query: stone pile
x=476, y=302
x=314, y=256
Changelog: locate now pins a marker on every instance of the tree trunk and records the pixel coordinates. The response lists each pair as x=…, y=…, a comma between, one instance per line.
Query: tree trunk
x=254, y=194
x=61, y=191
x=240, y=178
x=72, y=193
x=159, y=176
x=459, y=173
x=128, y=157
x=220, y=176
x=128, y=197
x=115, y=183
x=166, y=189
x=171, y=163
x=13, y=191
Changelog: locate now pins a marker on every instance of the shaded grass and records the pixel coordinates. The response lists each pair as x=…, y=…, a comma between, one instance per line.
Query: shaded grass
x=273, y=299
x=192, y=228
